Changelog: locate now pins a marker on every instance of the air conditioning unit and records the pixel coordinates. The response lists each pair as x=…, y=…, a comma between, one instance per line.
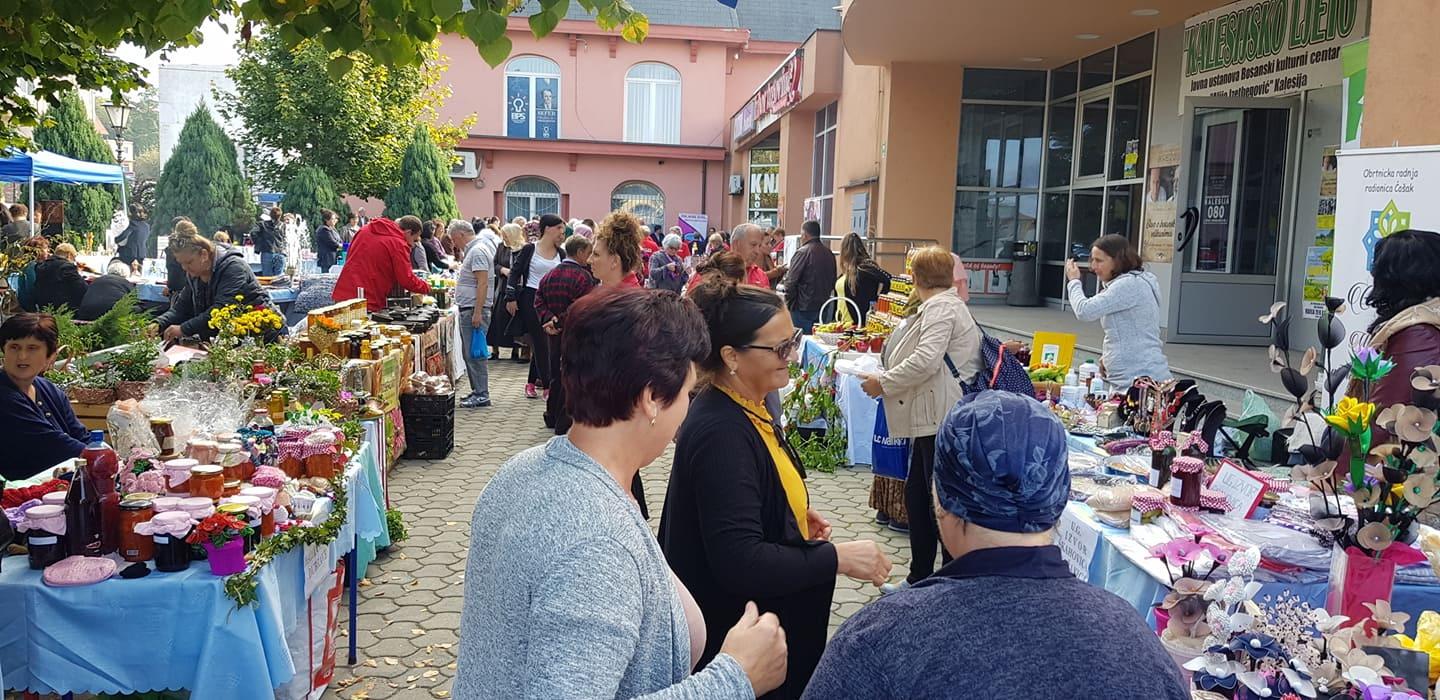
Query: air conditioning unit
x=737, y=184
x=465, y=166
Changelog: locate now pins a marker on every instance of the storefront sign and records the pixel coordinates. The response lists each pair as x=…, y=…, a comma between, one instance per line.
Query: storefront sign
x=1354, y=59
x=1381, y=191
x=1266, y=48
x=988, y=278
x=773, y=99
x=1157, y=242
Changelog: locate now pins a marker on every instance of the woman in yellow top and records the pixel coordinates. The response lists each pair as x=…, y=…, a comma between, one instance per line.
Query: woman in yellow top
x=738, y=525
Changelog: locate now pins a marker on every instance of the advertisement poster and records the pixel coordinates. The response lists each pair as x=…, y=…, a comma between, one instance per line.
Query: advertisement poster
x=517, y=107
x=1317, y=278
x=988, y=278
x=1267, y=48
x=1353, y=60
x=1381, y=191
x=547, y=108
x=812, y=209
x=1157, y=241
x=1132, y=158
x=694, y=228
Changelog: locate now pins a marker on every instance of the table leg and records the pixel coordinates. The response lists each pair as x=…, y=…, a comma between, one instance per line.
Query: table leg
x=351, y=560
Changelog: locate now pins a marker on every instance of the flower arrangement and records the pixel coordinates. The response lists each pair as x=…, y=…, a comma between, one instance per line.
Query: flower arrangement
x=219, y=529
x=327, y=323
x=236, y=320
x=1190, y=562
x=813, y=400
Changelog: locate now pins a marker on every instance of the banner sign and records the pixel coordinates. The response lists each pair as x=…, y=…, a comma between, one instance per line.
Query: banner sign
x=1157, y=243
x=1268, y=48
x=694, y=227
x=1354, y=58
x=774, y=98
x=547, y=108
x=517, y=107
x=1381, y=191
x=532, y=107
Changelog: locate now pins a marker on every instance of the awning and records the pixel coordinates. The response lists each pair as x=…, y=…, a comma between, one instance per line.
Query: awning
x=44, y=166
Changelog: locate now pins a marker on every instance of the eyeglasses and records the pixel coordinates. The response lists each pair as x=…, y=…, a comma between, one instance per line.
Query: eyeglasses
x=783, y=350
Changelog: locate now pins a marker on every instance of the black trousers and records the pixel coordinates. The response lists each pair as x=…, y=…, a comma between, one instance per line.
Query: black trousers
x=539, y=341
x=924, y=531
x=556, y=415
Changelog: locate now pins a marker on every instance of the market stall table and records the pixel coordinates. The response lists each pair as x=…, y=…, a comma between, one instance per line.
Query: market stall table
x=155, y=293
x=179, y=630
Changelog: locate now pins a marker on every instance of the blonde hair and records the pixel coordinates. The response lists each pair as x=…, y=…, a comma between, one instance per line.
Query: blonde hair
x=221, y=237
x=67, y=251
x=513, y=235
x=933, y=268
x=186, y=239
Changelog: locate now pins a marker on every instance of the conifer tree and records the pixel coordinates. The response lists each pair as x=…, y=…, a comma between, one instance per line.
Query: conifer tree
x=425, y=189
x=88, y=208
x=308, y=192
x=202, y=180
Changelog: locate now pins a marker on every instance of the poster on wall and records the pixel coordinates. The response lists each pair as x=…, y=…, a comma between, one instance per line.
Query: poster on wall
x=547, y=108
x=1320, y=257
x=988, y=278
x=694, y=228
x=517, y=107
x=1132, y=158
x=1157, y=241
x=1354, y=58
x=1267, y=48
x=1318, y=260
x=812, y=209
x=1381, y=191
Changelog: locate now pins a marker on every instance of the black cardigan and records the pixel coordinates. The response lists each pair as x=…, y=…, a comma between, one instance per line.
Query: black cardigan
x=520, y=270
x=730, y=536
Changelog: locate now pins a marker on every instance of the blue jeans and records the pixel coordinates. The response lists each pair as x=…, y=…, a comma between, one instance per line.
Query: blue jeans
x=804, y=320
x=476, y=369
x=272, y=264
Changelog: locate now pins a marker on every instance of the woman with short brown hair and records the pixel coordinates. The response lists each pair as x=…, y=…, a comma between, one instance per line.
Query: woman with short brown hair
x=1127, y=307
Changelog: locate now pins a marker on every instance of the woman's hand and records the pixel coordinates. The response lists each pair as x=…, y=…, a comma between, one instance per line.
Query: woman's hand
x=550, y=328
x=1072, y=270
x=817, y=524
x=871, y=386
x=504, y=272
x=172, y=333
x=757, y=643
x=863, y=561
x=512, y=307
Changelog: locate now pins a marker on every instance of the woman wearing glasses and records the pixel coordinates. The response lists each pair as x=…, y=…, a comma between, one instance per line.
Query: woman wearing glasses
x=937, y=345
x=738, y=525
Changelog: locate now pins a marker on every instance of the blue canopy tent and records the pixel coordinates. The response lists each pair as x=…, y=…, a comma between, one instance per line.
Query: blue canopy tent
x=44, y=166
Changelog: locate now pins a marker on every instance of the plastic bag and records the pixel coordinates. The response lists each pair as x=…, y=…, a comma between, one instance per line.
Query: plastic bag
x=479, y=347
x=130, y=429
x=1253, y=405
x=888, y=456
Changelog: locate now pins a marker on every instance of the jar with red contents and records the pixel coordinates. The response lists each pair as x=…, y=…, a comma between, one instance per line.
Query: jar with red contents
x=292, y=461
x=207, y=481
x=44, y=528
x=235, y=460
x=265, y=497
x=204, y=451
x=133, y=545
x=320, y=454
x=177, y=476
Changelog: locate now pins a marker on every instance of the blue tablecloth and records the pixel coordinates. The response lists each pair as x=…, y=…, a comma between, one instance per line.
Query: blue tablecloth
x=175, y=630
x=156, y=293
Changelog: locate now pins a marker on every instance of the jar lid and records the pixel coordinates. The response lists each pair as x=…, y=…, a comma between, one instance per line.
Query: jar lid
x=229, y=447
x=203, y=443
x=228, y=437
x=161, y=420
x=206, y=470
x=232, y=508
x=139, y=496
x=244, y=500
x=172, y=516
x=233, y=485
x=196, y=503
x=44, y=511
x=260, y=492
x=136, y=504
x=182, y=463
x=54, y=498
x=163, y=503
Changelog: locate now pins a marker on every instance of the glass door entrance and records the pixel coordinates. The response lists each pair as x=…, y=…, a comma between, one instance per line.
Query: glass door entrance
x=1236, y=167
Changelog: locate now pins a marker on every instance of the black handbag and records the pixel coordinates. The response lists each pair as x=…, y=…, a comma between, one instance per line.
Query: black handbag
x=999, y=370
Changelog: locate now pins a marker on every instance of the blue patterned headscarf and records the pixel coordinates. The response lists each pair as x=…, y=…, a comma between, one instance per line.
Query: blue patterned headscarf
x=1001, y=463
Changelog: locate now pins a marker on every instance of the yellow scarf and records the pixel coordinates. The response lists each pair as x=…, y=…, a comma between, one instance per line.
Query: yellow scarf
x=795, y=493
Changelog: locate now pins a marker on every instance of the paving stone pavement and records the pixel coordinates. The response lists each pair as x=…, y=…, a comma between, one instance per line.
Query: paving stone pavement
x=410, y=601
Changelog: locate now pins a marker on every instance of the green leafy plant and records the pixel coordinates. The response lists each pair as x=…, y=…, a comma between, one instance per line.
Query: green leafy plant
x=136, y=362
x=813, y=399
x=425, y=188
x=243, y=587
x=309, y=191
x=70, y=132
x=202, y=180
x=396, y=522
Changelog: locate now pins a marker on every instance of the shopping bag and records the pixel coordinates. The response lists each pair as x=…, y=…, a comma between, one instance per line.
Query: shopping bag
x=889, y=456
x=479, y=348
x=999, y=370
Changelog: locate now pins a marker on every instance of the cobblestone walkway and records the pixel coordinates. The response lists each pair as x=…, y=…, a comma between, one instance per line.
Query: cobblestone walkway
x=410, y=602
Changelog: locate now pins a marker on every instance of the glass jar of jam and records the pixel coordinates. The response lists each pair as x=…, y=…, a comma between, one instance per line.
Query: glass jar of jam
x=207, y=481
x=164, y=431
x=232, y=461
x=320, y=454
x=135, y=546
x=177, y=476
x=204, y=451
x=232, y=488
x=241, y=511
x=291, y=463
x=172, y=552
x=44, y=528
x=165, y=504
x=54, y=498
x=265, y=497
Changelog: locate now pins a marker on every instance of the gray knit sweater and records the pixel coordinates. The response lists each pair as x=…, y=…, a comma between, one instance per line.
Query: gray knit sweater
x=567, y=594
x=1128, y=308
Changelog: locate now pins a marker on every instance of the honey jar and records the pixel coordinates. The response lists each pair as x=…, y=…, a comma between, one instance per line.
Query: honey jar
x=164, y=431
x=177, y=476
x=265, y=497
x=207, y=481
x=135, y=546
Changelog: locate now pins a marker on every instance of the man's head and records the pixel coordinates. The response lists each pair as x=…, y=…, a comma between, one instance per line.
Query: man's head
x=412, y=226
x=461, y=233
x=810, y=229
x=275, y=214
x=327, y=217
x=19, y=211
x=747, y=242
x=577, y=248
x=1001, y=473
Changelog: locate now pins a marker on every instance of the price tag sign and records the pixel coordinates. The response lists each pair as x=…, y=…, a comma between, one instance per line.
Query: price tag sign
x=1241, y=489
x=317, y=566
x=1077, y=541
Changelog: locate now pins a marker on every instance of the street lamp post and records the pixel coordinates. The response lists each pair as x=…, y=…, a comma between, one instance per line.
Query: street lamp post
x=119, y=114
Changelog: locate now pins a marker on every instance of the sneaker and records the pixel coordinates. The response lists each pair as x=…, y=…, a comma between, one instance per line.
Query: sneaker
x=888, y=588
x=903, y=528
x=881, y=518
x=473, y=401
x=530, y=392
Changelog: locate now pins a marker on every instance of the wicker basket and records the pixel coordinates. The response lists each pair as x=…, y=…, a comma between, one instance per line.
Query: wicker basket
x=131, y=390
x=91, y=395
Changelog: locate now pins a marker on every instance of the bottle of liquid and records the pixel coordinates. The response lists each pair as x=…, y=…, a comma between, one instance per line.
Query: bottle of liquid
x=103, y=465
x=1072, y=378
x=82, y=514
x=260, y=420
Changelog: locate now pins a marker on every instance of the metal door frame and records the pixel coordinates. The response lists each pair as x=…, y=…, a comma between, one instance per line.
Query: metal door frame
x=1284, y=241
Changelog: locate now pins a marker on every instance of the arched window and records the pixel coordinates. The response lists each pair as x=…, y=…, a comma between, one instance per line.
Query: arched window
x=532, y=98
x=652, y=103
x=641, y=199
x=530, y=197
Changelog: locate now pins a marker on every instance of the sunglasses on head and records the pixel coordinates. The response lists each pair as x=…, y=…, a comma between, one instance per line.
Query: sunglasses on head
x=783, y=350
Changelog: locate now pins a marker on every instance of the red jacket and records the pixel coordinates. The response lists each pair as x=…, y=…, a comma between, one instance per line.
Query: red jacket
x=378, y=262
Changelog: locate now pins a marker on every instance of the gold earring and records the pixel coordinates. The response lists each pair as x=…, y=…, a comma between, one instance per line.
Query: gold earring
x=732, y=371
x=652, y=422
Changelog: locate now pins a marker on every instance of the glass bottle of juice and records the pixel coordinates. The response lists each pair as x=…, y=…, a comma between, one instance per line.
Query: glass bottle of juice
x=103, y=465
x=82, y=513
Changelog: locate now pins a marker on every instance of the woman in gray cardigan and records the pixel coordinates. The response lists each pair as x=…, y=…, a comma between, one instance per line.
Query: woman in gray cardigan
x=567, y=594
x=1128, y=308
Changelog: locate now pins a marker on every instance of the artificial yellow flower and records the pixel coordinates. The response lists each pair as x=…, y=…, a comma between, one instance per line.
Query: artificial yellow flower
x=1352, y=416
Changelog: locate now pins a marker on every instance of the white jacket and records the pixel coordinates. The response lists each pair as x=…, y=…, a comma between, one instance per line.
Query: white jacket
x=919, y=389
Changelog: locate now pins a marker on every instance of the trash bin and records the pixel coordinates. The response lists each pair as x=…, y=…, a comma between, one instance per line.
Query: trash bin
x=1024, y=274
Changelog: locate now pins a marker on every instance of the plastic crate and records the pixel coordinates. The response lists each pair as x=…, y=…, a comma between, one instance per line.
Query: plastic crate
x=429, y=449
x=429, y=427
x=427, y=404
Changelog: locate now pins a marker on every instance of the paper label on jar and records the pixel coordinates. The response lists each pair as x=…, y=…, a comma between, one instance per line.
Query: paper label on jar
x=167, y=445
x=1176, y=487
x=44, y=540
x=162, y=539
x=1155, y=478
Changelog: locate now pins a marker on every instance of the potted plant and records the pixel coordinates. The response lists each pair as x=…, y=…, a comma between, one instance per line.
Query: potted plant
x=95, y=386
x=134, y=366
x=223, y=537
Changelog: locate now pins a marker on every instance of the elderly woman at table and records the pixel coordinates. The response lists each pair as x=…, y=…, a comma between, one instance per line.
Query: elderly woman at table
x=30, y=406
x=217, y=276
x=570, y=596
x=738, y=525
x=924, y=360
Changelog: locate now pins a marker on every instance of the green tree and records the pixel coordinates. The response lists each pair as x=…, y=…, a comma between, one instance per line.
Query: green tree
x=308, y=192
x=54, y=46
x=202, y=180
x=354, y=128
x=425, y=189
x=69, y=132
